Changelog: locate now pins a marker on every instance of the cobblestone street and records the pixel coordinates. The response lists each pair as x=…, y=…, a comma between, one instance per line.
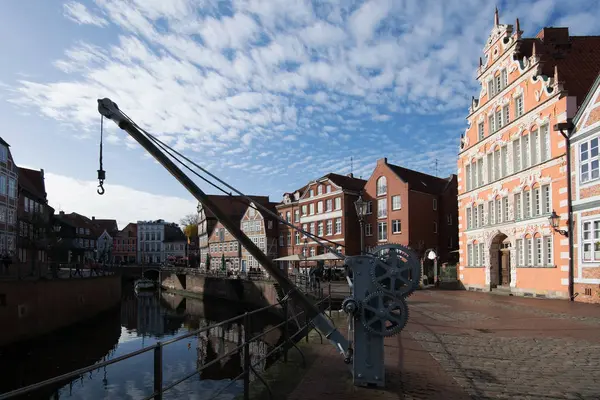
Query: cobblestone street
x=461, y=345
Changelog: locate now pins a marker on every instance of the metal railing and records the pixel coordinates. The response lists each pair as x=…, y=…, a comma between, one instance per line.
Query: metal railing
x=159, y=386
x=44, y=270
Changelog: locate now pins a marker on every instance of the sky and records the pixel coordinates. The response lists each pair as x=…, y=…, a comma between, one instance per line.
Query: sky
x=266, y=94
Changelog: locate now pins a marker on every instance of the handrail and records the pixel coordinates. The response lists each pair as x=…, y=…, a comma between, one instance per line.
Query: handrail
x=158, y=348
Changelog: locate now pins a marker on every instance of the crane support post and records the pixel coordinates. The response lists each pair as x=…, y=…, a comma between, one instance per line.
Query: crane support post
x=110, y=110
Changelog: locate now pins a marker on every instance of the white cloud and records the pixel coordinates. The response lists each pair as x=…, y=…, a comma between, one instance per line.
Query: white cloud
x=119, y=202
x=79, y=13
x=327, y=75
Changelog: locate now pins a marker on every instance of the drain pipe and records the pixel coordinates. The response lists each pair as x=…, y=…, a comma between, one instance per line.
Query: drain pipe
x=566, y=129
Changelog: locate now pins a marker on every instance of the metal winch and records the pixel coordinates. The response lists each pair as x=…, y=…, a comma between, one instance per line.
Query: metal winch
x=381, y=282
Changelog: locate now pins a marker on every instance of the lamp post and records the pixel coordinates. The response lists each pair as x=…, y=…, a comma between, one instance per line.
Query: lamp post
x=361, y=211
x=566, y=129
x=554, y=219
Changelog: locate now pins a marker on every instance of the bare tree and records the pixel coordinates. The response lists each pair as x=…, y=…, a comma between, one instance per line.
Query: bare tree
x=190, y=219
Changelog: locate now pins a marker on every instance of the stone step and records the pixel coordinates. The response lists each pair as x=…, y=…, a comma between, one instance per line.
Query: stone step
x=502, y=291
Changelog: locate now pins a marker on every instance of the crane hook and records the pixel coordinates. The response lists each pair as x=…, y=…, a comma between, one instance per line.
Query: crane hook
x=101, y=188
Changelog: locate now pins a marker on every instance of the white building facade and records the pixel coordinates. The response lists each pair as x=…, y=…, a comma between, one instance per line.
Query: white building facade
x=585, y=195
x=150, y=247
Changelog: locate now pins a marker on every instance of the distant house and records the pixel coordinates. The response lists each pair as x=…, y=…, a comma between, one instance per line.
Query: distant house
x=8, y=199
x=34, y=218
x=125, y=245
x=85, y=235
x=175, y=243
x=106, y=229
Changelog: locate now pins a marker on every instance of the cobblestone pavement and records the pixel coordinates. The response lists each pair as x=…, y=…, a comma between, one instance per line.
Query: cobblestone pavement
x=465, y=345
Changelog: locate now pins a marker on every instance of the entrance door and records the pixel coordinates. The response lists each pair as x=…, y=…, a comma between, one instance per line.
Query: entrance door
x=504, y=267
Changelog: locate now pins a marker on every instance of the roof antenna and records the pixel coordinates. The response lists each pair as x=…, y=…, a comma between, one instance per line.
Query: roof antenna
x=436, y=167
x=352, y=165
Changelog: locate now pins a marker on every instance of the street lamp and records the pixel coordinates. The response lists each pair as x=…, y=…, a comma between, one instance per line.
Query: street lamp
x=361, y=211
x=554, y=219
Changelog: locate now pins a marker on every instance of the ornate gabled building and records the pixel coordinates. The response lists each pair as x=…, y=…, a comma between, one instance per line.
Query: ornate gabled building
x=511, y=164
x=261, y=228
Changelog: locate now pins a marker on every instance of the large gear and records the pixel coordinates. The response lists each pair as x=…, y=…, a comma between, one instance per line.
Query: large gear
x=395, y=269
x=383, y=314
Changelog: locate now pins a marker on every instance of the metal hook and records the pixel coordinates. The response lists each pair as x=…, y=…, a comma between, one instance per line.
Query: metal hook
x=101, y=188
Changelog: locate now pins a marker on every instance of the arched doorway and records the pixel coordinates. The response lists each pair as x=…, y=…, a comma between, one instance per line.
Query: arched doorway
x=500, y=261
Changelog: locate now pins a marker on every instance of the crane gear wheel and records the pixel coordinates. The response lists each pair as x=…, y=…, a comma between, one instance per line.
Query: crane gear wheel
x=350, y=306
x=395, y=269
x=384, y=314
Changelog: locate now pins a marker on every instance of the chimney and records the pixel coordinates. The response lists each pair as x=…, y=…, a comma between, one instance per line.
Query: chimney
x=61, y=213
x=554, y=35
x=382, y=161
x=93, y=218
x=350, y=175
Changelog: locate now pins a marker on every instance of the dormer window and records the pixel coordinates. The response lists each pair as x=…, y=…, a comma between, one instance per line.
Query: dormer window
x=319, y=189
x=311, y=193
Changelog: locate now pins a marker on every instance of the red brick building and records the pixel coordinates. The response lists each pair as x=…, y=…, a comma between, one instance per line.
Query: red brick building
x=8, y=200
x=125, y=245
x=411, y=208
x=33, y=215
x=324, y=208
x=289, y=242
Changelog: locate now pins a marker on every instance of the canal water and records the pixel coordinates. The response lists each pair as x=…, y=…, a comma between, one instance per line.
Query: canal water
x=141, y=321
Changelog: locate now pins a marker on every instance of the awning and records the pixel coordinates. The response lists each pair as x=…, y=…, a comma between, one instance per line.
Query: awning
x=293, y=257
x=325, y=256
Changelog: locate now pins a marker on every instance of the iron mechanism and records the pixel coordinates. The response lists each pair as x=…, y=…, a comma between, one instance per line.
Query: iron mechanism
x=377, y=308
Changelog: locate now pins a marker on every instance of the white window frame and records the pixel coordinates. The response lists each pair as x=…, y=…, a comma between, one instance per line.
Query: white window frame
x=396, y=226
x=590, y=226
x=382, y=208
x=396, y=202
x=519, y=106
x=382, y=231
x=381, y=186
x=590, y=161
x=368, y=230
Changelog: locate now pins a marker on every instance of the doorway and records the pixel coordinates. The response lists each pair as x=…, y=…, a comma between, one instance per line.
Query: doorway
x=500, y=261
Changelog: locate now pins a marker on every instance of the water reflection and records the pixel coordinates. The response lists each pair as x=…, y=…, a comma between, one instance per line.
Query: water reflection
x=140, y=322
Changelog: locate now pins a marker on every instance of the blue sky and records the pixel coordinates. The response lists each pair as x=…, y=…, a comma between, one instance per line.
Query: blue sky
x=266, y=94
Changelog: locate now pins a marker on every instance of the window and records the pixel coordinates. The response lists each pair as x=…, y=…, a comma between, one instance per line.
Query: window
x=328, y=190
x=480, y=172
x=329, y=205
x=480, y=131
x=503, y=161
x=281, y=239
x=304, y=210
x=498, y=81
x=480, y=212
x=305, y=228
x=338, y=226
x=381, y=186
x=491, y=123
x=287, y=216
x=434, y=227
x=382, y=231
x=396, y=226
x=588, y=160
x=311, y=208
x=369, y=207
x=499, y=119
x=312, y=228
x=382, y=208
x=320, y=207
x=396, y=202
x=320, y=189
x=545, y=143
x=591, y=240
x=289, y=241
x=491, y=89
x=338, y=203
x=534, y=143
x=518, y=106
x=434, y=204
x=468, y=176
x=499, y=212
x=469, y=218
x=476, y=261
x=3, y=185
x=320, y=229
x=329, y=227
x=296, y=215
x=505, y=115
x=470, y=255
x=476, y=217
x=505, y=208
x=3, y=153
x=518, y=214
x=297, y=237
x=491, y=213
x=517, y=155
x=311, y=193
x=368, y=230
x=12, y=188
x=504, y=76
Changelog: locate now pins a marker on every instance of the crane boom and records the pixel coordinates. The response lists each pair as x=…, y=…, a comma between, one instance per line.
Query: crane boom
x=110, y=110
